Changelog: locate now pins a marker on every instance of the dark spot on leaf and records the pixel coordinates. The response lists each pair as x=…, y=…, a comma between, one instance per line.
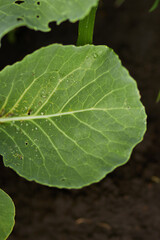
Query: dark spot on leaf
x=19, y=2
x=29, y=112
x=38, y=3
x=26, y=143
x=37, y=16
x=19, y=19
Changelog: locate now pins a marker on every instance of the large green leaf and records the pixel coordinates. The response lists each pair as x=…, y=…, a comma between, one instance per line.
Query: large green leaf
x=69, y=115
x=7, y=213
x=36, y=14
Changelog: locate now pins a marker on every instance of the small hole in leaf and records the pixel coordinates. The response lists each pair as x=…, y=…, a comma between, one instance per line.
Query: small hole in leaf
x=38, y=3
x=26, y=143
x=19, y=19
x=19, y=2
x=37, y=16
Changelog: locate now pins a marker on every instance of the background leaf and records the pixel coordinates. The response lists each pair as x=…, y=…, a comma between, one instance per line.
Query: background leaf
x=69, y=115
x=118, y=3
x=158, y=97
x=36, y=14
x=7, y=213
x=154, y=6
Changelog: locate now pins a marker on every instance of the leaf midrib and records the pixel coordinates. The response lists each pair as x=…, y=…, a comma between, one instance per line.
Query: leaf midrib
x=32, y=117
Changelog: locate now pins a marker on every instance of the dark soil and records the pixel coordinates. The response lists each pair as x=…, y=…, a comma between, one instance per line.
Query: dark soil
x=126, y=204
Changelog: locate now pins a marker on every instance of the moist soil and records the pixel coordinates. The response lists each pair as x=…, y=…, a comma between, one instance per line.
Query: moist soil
x=126, y=204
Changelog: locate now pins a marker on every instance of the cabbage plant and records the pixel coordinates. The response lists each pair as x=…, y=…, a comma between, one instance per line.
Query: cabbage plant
x=69, y=115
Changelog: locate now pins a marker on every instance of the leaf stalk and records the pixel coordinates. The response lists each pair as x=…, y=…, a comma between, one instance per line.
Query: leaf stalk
x=86, y=28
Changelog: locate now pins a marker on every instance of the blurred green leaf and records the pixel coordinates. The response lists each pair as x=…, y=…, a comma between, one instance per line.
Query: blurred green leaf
x=158, y=97
x=118, y=3
x=154, y=6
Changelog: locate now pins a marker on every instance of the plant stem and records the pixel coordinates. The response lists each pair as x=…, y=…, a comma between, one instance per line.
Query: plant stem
x=86, y=28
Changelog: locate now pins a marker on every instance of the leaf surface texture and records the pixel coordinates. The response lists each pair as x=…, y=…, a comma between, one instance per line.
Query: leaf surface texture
x=7, y=213
x=37, y=14
x=68, y=115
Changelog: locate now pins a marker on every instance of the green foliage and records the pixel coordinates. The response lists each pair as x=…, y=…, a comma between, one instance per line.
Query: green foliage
x=36, y=14
x=7, y=213
x=68, y=115
x=68, y=123
x=158, y=97
x=155, y=5
x=118, y=3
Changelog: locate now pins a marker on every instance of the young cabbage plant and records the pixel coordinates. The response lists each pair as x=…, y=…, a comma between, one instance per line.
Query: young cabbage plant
x=69, y=115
